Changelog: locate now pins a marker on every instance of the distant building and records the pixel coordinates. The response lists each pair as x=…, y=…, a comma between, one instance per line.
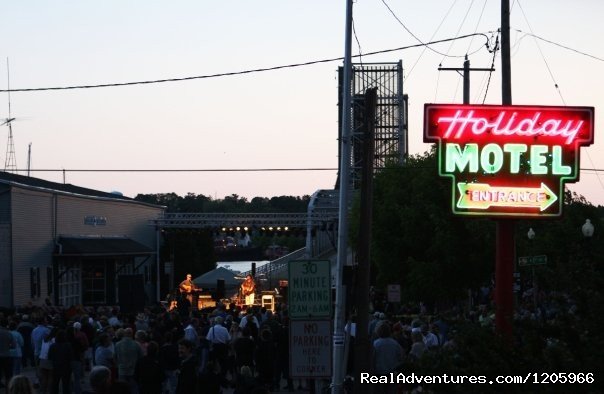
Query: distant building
x=73, y=245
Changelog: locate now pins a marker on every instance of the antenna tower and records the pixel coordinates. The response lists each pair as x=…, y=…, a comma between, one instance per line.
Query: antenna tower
x=10, y=164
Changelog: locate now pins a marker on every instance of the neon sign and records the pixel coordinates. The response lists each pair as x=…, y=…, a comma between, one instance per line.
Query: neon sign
x=508, y=160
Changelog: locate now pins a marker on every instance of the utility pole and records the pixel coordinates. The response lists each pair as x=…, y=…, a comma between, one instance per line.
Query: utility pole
x=504, y=237
x=362, y=344
x=338, y=362
x=466, y=77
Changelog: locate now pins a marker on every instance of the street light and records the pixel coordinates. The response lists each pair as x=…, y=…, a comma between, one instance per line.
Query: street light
x=587, y=229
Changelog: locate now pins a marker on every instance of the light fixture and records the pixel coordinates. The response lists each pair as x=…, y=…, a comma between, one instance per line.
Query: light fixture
x=587, y=229
x=531, y=234
x=285, y=228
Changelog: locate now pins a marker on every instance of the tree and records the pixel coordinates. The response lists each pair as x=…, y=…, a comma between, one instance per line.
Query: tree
x=417, y=242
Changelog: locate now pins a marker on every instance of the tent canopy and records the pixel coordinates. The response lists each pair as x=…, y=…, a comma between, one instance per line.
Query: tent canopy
x=210, y=278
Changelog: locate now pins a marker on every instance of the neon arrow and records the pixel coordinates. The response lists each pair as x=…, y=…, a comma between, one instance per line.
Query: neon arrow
x=484, y=196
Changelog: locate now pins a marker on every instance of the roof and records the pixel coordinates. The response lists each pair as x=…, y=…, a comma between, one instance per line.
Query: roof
x=210, y=278
x=41, y=184
x=101, y=246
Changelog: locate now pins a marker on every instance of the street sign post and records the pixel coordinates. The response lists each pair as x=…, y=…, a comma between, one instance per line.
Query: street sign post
x=309, y=290
x=310, y=347
x=526, y=261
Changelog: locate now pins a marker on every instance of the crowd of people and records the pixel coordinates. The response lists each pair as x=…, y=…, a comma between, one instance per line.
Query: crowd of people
x=153, y=351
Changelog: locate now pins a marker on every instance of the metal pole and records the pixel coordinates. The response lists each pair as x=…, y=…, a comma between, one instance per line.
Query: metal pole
x=505, y=246
x=466, y=81
x=339, y=364
x=157, y=241
x=362, y=340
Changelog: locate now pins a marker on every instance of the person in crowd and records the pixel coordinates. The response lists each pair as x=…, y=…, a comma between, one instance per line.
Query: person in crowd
x=418, y=347
x=209, y=380
x=219, y=338
x=127, y=354
x=25, y=328
x=148, y=373
x=265, y=356
x=16, y=350
x=38, y=334
x=249, y=320
x=104, y=353
x=387, y=356
x=61, y=355
x=187, y=377
x=79, y=344
x=100, y=380
x=244, y=347
x=45, y=374
x=169, y=361
x=20, y=384
x=246, y=383
x=141, y=339
x=430, y=339
x=6, y=344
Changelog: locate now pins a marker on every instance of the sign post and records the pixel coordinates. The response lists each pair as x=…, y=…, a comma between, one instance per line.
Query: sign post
x=310, y=349
x=309, y=290
x=309, y=296
x=508, y=161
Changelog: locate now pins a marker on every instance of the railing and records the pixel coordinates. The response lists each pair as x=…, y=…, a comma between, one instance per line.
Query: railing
x=277, y=264
x=197, y=220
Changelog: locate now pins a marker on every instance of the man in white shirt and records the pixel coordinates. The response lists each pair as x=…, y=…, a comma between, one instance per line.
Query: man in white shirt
x=219, y=337
x=191, y=332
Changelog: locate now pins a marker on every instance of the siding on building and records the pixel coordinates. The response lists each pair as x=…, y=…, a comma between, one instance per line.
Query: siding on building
x=122, y=218
x=6, y=287
x=32, y=241
x=35, y=230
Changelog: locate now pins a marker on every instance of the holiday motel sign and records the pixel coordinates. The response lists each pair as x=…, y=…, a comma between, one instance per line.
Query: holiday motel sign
x=508, y=160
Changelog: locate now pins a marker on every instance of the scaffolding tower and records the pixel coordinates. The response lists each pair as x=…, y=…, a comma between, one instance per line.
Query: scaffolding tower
x=391, y=125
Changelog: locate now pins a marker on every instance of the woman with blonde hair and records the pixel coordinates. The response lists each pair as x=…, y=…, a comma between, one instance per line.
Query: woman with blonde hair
x=20, y=384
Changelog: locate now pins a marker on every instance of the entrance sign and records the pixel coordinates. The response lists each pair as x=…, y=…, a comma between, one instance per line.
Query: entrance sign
x=508, y=160
x=309, y=290
x=310, y=348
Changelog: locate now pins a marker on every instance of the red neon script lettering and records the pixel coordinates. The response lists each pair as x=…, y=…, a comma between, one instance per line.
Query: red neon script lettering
x=507, y=123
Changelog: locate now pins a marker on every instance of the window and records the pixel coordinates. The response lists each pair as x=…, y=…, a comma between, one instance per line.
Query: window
x=34, y=282
x=69, y=285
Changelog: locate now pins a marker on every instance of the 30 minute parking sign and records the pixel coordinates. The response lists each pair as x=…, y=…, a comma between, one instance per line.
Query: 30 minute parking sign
x=309, y=289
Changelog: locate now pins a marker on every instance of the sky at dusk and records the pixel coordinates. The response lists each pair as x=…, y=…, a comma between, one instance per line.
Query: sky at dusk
x=275, y=119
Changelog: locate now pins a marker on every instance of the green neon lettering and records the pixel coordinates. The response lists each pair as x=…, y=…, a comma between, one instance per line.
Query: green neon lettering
x=491, y=166
x=557, y=167
x=538, y=159
x=515, y=150
x=455, y=158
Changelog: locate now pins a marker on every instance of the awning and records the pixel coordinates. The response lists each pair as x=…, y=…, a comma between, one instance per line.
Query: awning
x=101, y=246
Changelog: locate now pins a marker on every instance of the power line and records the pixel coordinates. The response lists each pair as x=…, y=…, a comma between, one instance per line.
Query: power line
x=179, y=169
x=135, y=170
x=463, y=21
x=542, y=55
x=426, y=47
x=414, y=36
x=492, y=67
x=561, y=46
x=233, y=73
